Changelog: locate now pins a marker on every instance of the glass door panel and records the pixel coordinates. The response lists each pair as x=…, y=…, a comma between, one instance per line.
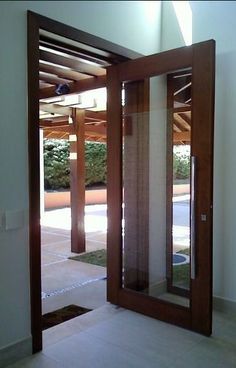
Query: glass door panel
x=160, y=144
x=155, y=214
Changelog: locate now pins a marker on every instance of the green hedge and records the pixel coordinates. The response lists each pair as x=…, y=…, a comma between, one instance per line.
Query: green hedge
x=57, y=166
x=181, y=166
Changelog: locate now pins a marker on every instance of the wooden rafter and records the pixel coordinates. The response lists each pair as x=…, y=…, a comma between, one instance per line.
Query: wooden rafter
x=77, y=182
x=61, y=72
x=73, y=63
x=55, y=109
x=76, y=87
x=52, y=79
x=186, y=116
x=182, y=123
x=181, y=137
x=183, y=108
x=73, y=50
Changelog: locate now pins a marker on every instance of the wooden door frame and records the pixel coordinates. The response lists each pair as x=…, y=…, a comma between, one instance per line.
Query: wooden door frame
x=35, y=23
x=201, y=58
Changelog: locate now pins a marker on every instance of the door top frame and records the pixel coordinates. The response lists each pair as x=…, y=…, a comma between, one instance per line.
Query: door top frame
x=160, y=63
x=72, y=33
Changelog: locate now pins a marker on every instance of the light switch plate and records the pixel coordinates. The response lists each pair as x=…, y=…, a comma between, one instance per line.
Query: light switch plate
x=2, y=218
x=14, y=219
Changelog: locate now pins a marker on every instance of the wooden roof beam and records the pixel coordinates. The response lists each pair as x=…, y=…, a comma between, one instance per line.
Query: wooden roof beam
x=98, y=130
x=55, y=109
x=182, y=109
x=96, y=115
x=61, y=72
x=76, y=64
x=52, y=78
x=181, y=137
x=76, y=87
x=184, y=125
x=186, y=116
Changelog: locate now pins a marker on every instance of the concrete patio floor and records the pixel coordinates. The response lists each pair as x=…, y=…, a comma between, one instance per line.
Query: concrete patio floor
x=67, y=281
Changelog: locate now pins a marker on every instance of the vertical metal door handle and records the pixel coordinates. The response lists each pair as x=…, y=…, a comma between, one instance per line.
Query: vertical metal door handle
x=192, y=218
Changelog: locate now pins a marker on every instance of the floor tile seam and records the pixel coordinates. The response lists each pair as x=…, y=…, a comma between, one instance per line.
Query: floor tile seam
x=82, y=325
x=95, y=233
x=71, y=287
x=52, y=263
x=68, y=238
x=58, y=254
x=129, y=350
x=53, y=230
x=55, y=243
x=60, y=338
x=96, y=338
x=189, y=352
x=204, y=356
x=97, y=241
x=58, y=362
x=59, y=235
x=191, y=346
x=91, y=236
x=224, y=344
x=81, y=328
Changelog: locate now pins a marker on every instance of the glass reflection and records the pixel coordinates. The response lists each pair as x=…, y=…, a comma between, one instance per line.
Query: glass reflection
x=156, y=186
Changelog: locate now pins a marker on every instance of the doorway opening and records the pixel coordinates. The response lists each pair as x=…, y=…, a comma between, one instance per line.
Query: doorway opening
x=73, y=213
x=67, y=95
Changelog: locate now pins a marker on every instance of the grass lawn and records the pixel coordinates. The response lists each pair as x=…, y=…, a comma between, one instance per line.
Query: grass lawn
x=98, y=257
x=181, y=273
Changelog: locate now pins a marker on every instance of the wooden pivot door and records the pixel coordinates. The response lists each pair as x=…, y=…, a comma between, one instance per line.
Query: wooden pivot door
x=160, y=169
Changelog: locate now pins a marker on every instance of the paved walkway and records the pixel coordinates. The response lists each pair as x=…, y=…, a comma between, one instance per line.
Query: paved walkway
x=66, y=281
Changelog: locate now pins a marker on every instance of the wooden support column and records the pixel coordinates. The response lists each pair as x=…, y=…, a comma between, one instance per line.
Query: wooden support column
x=77, y=181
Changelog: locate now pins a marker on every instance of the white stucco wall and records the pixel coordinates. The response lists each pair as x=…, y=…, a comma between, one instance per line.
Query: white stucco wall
x=171, y=36
x=133, y=24
x=216, y=19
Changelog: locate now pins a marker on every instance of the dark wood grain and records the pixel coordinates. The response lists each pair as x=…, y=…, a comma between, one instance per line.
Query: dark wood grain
x=77, y=182
x=169, y=182
x=114, y=186
x=202, y=148
x=115, y=53
x=156, y=64
x=34, y=184
x=164, y=311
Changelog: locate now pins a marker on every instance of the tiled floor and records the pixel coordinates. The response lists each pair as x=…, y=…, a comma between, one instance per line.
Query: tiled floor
x=111, y=337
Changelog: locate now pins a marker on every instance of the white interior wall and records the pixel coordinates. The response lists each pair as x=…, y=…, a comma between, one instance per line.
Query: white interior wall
x=171, y=36
x=216, y=19
x=124, y=23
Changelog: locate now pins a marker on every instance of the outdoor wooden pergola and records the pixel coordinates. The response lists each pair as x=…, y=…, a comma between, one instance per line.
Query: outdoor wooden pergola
x=66, y=72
